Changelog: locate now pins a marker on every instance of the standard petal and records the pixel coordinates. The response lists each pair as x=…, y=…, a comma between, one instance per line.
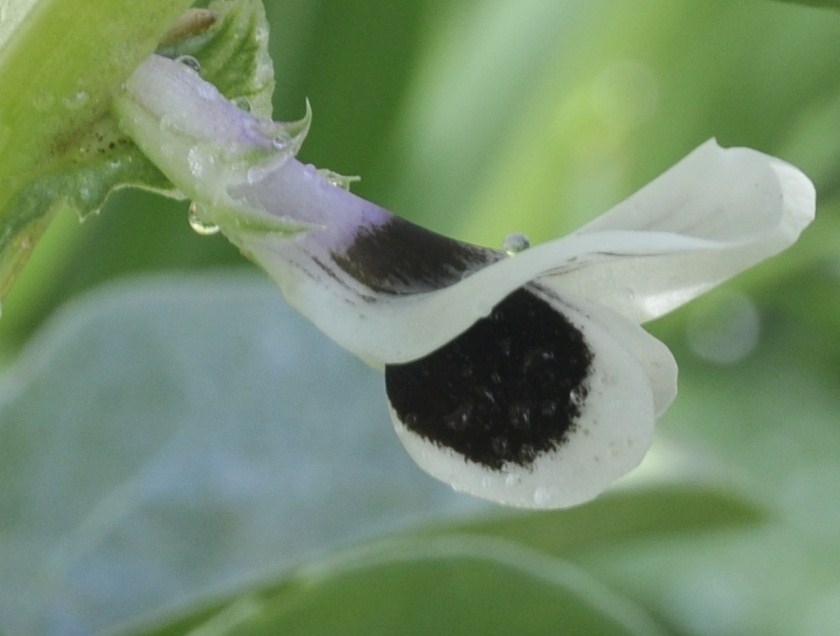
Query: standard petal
x=714, y=214
x=437, y=287
x=542, y=404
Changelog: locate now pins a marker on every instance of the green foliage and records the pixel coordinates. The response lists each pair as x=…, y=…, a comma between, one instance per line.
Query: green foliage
x=183, y=451
x=461, y=583
x=59, y=62
x=89, y=156
x=833, y=4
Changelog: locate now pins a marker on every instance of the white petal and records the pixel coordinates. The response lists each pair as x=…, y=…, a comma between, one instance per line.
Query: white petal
x=652, y=355
x=714, y=214
x=611, y=432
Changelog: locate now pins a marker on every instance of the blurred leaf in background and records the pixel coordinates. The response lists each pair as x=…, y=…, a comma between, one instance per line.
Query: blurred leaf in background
x=476, y=118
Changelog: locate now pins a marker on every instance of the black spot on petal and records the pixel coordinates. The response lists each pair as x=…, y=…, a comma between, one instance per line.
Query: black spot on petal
x=399, y=257
x=506, y=390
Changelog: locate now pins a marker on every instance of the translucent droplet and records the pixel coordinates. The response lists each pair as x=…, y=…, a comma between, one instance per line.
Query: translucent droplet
x=515, y=243
x=197, y=224
x=287, y=137
x=338, y=180
x=190, y=62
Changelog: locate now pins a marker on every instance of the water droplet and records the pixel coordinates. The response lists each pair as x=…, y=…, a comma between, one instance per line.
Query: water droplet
x=197, y=224
x=190, y=62
x=338, y=180
x=281, y=142
x=515, y=243
x=257, y=173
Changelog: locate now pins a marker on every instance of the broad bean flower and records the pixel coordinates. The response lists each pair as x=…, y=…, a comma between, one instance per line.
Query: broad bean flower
x=522, y=375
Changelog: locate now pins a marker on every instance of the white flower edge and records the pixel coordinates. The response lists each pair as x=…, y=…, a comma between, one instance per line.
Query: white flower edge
x=746, y=206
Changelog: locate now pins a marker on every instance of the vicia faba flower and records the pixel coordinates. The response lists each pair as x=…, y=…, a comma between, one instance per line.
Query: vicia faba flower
x=522, y=377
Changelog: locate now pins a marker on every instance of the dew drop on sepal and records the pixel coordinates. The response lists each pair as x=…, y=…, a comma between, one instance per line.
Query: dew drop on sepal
x=338, y=180
x=190, y=62
x=198, y=224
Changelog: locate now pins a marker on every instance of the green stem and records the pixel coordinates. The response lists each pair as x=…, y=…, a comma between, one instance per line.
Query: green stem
x=58, y=67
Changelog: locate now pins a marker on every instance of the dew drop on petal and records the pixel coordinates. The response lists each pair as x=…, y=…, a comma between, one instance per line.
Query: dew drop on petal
x=515, y=242
x=197, y=224
x=282, y=142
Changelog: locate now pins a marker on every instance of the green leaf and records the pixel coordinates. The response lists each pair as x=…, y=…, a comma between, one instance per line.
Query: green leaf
x=85, y=155
x=831, y=4
x=173, y=438
x=503, y=573
x=650, y=513
x=453, y=585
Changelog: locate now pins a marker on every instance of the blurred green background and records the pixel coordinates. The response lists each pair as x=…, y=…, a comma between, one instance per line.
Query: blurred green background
x=479, y=118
